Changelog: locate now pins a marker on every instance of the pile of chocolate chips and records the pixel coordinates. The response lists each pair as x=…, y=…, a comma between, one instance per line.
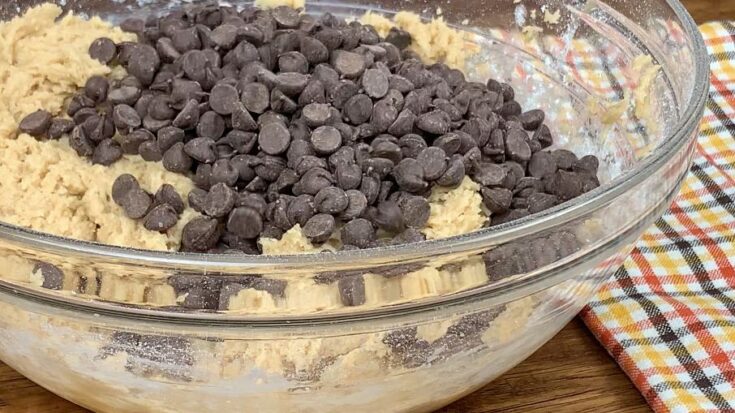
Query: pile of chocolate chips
x=282, y=118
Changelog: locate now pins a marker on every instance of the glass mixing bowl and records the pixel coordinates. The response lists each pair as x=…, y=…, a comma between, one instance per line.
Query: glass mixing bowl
x=405, y=328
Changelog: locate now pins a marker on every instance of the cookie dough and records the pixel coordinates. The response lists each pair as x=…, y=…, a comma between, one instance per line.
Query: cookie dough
x=45, y=185
x=112, y=368
x=434, y=41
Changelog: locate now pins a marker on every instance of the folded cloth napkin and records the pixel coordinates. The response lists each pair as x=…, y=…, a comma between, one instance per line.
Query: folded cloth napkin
x=668, y=314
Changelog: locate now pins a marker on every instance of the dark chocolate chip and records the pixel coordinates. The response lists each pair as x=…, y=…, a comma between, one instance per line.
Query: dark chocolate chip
x=107, y=152
x=358, y=232
x=136, y=203
x=175, y=159
x=434, y=162
x=161, y=218
x=36, y=124
x=274, y=138
x=201, y=150
x=200, y=234
x=326, y=140
x=103, y=50
x=319, y=228
x=409, y=175
x=96, y=88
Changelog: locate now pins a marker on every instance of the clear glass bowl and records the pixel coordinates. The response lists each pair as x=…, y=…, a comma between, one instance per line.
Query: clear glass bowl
x=438, y=319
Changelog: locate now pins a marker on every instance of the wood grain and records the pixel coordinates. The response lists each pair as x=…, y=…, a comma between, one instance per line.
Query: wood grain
x=571, y=373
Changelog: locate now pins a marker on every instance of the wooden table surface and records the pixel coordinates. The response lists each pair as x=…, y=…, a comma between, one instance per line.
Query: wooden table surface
x=571, y=373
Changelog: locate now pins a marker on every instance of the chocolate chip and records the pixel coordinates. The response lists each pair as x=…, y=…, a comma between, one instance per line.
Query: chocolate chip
x=126, y=119
x=196, y=199
x=224, y=99
x=349, y=64
x=308, y=162
x=53, y=277
x=348, y=176
x=60, y=127
x=386, y=149
x=516, y=145
x=411, y=145
x=375, y=83
x=356, y=205
x=564, y=159
x=175, y=159
x=399, y=38
x=509, y=109
x=225, y=36
x=143, y=63
x=454, y=174
x=565, y=185
x=434, y=162
x=291, y=83
x=256, y=97
x=449, y=143
x=358, y=109
x=107, y=152
x=245, y=222
x=200, y=234
x=36, y=124
x=122, y=185
x=416, y=211
x=587, y=163
x=542, y=163
x=169, y=136
x=383, y=116
x=161, y=218
x=314, y=92
x=274, y=138
x=127, y=95
x=532, y=119
x=286, y=17
x=103, y=49
x=314, y=50
x=326, y=140
x=497, y=200
x=389, y=217
x=282, y=103
x=313, y=181
x=331, y=200
x=403, y=124
x=540, y=201
x=211, y=125
x=319, y=228
x=409, y=175
x=136, y=203
x=96, y=88
x=167, y=195
x=224, y=172
x=358, y=232
x=352, y=290
x=79, y=141
x=219, y=201
x=316, y=114
x=293, y=62
x=436, y=122
x=201, y=150
x=543, y=136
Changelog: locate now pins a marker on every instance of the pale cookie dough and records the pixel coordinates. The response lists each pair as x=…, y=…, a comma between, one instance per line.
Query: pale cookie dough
x=434, y=41
x=43, y=61
x=271, y=4
x=46, y=186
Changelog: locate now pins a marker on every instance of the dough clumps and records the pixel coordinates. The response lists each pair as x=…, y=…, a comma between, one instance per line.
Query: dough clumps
x=46, y=186
x=434, y=41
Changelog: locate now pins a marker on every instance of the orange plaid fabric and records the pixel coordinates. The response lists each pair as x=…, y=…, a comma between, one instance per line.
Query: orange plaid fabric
x=668, y=314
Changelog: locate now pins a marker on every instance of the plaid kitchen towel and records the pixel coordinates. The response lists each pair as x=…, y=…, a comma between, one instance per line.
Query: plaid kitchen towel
x=668, y=314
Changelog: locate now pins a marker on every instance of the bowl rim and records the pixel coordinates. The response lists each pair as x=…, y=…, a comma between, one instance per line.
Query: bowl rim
x=479, y=240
